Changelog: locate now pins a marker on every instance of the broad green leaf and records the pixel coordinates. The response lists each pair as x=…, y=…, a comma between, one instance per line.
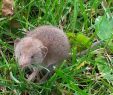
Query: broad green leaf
x=105, y=70
x=110, y=46
x=104, y=27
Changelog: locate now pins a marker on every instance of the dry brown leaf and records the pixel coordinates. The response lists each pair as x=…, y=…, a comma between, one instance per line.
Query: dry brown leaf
x=7, y=7
x=14, y=24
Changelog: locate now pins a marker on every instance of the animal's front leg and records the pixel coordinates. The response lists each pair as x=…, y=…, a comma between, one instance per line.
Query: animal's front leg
x=47, y=74
x=32, y=76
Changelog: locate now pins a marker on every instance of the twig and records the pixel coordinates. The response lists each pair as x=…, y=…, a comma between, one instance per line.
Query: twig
x=92, y=46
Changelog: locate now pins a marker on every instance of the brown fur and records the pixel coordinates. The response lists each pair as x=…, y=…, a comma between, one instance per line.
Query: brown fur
x=49, y=45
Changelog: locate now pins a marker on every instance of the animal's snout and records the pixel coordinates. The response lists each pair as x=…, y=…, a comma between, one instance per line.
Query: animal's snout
x=24, y=62
x=23, y=65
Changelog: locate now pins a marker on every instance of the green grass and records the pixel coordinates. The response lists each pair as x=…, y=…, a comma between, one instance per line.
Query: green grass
x=87, y=74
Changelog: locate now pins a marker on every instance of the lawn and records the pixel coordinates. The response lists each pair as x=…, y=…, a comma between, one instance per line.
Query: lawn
x=89, y=27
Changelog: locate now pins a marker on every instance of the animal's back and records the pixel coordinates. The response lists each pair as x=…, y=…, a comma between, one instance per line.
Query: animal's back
x=55, y=40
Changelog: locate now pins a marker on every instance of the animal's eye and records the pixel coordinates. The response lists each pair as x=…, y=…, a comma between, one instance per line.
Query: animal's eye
x=32, y=56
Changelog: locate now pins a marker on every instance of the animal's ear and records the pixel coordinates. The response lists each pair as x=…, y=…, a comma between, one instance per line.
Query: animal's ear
x=16, y=42
x=44, y=51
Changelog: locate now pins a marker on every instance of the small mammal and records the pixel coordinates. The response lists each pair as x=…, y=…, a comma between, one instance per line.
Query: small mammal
x=44, y=46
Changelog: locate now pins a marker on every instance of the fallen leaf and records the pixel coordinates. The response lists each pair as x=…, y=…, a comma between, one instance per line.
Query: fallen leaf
x=7, y=7
x=14, y=24
x=81, y=65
